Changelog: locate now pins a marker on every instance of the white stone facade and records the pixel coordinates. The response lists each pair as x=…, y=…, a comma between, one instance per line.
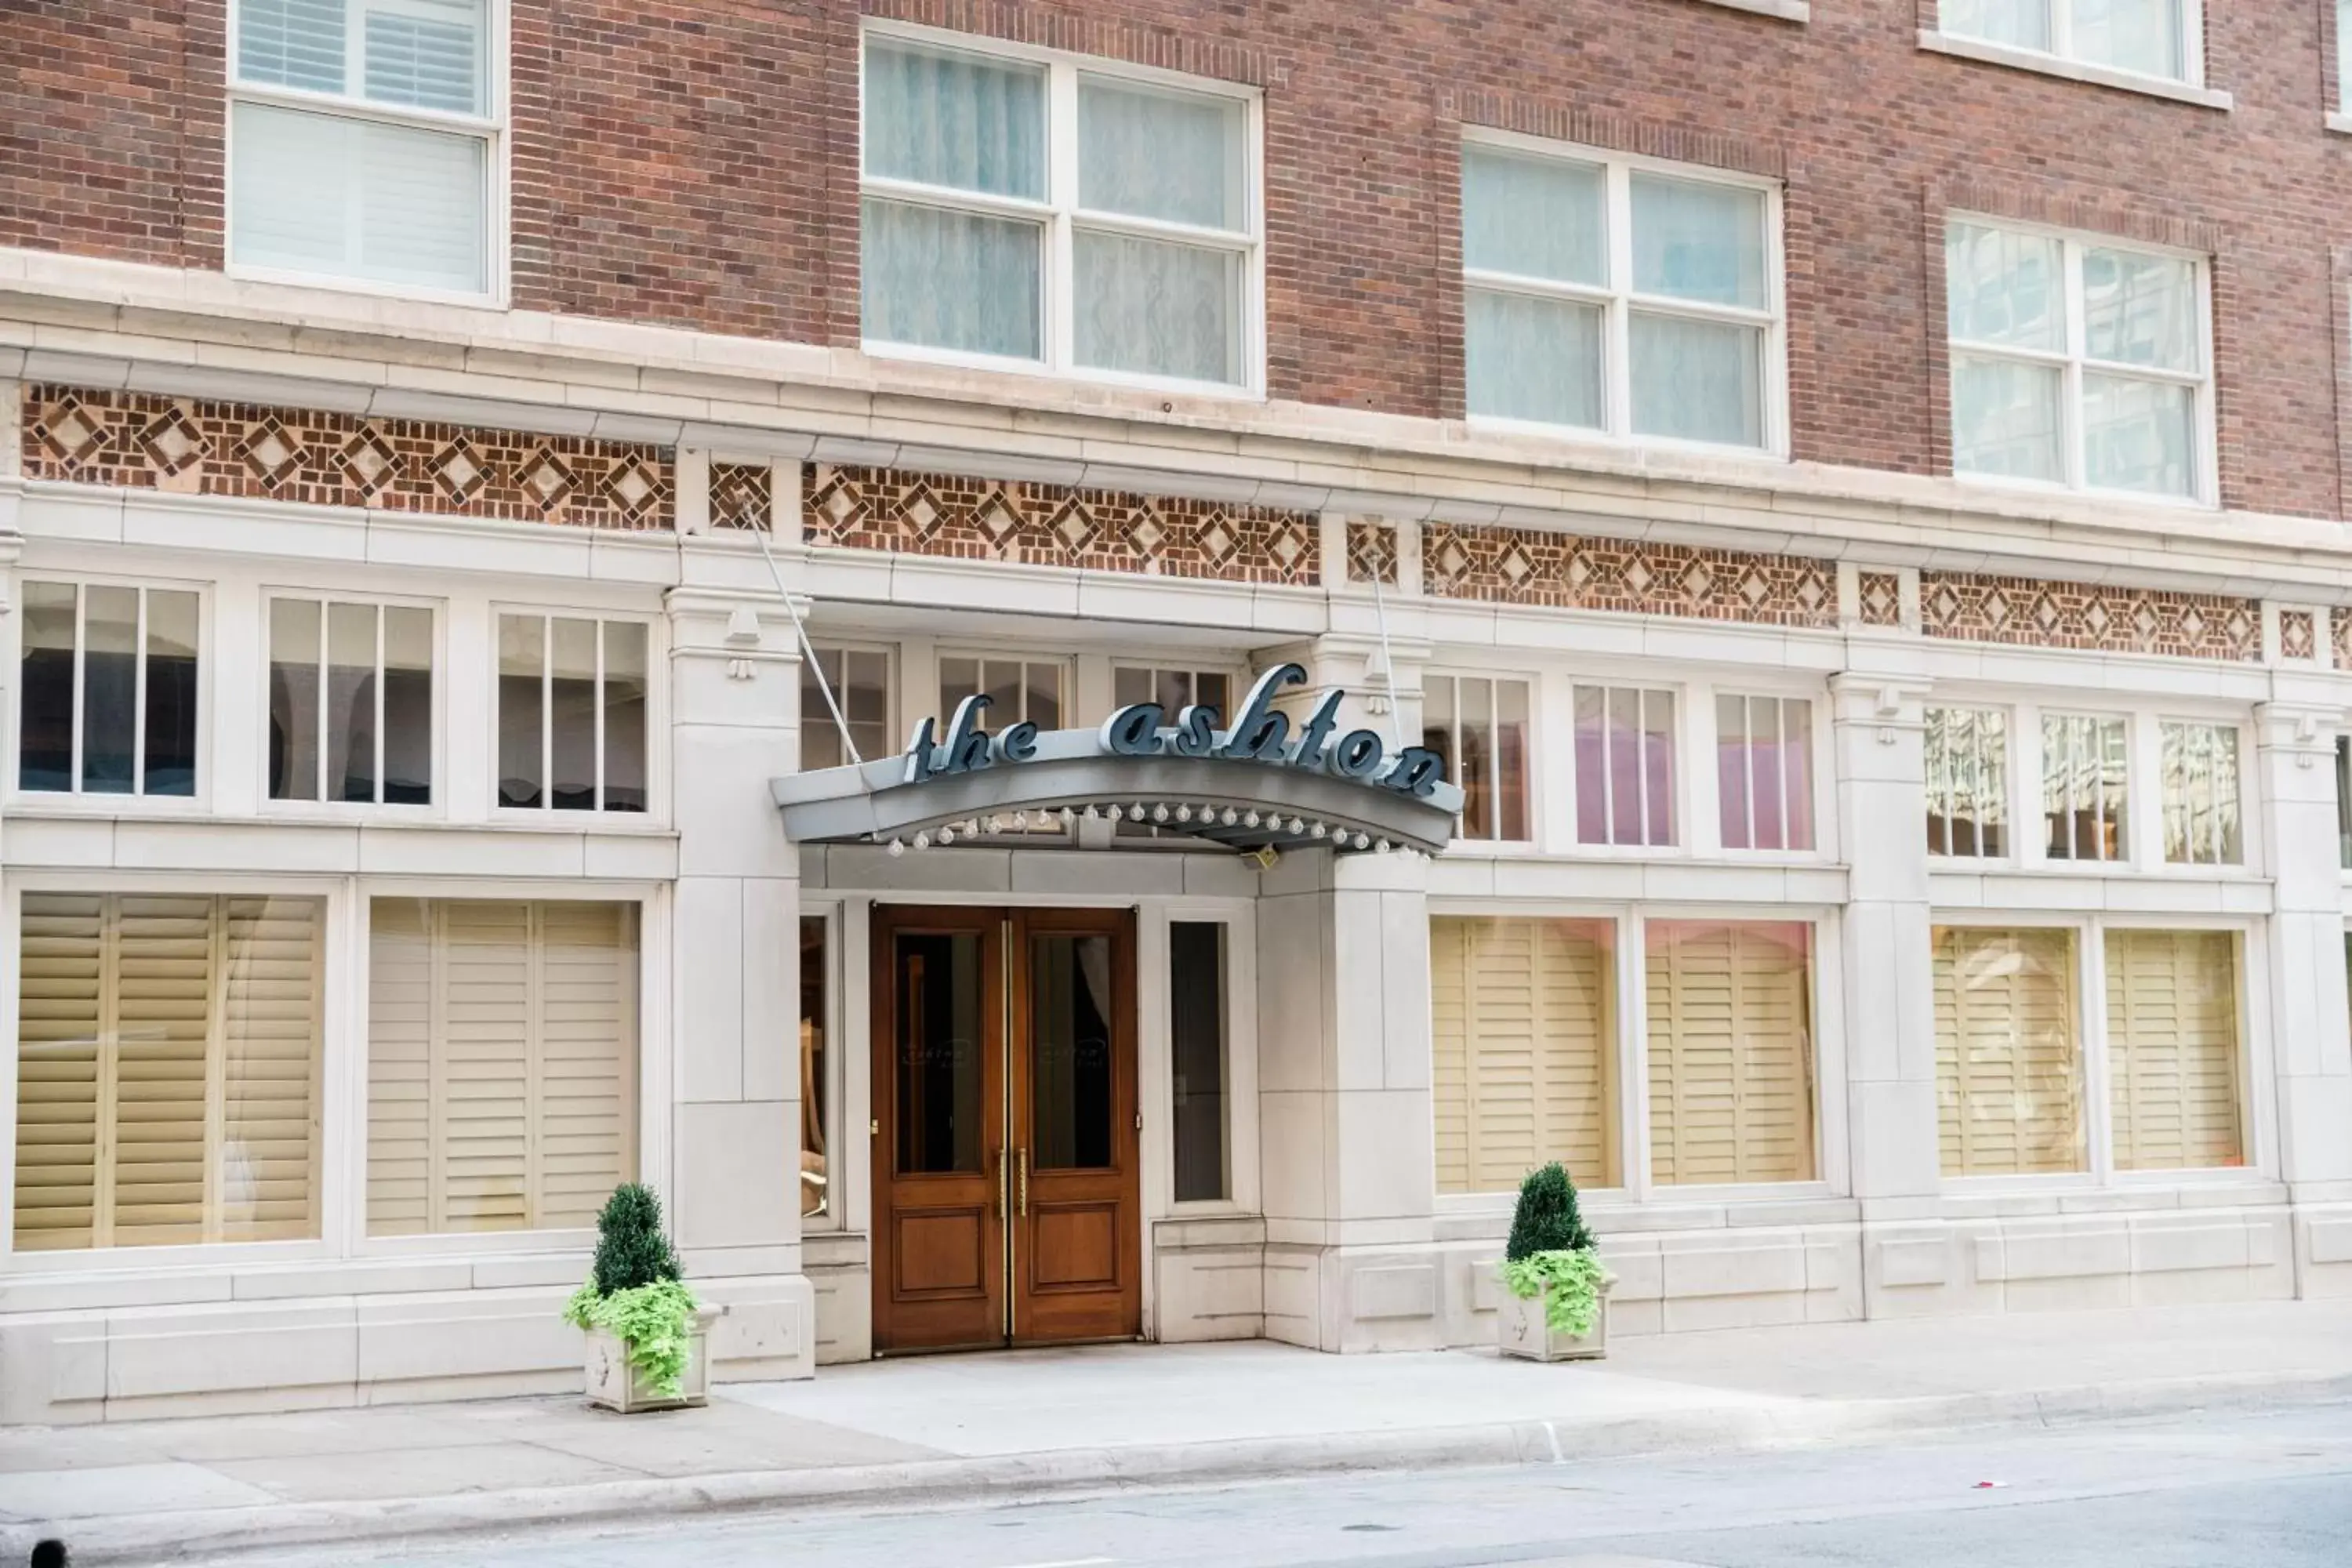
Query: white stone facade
x=1333, y=1234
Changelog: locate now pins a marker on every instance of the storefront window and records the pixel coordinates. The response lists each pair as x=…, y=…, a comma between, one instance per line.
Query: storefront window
x=2009, y=1063
x=816, y=1190
x=1731, y=1052
x=2175, y=1092
x=1199, y=1060
x=1524, y=1041
x=502, y=1064
x=167, y=1070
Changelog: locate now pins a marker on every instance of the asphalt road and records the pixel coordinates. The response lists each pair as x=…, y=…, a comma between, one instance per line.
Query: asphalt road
x=2273, y=1489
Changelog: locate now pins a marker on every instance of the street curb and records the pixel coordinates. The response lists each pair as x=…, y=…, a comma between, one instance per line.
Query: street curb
x=209, y=1532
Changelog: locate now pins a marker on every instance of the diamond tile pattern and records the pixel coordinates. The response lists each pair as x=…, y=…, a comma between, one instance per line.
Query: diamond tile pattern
x=141, y=441
x=1882, y=598
x=1373, y=553
x=2297, y=637
x=1530, y=566
x=2097, y=617
x=1056, y=525
x=742, y=496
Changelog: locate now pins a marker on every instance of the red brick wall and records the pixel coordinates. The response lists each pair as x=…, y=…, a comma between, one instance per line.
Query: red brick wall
x=694, y=163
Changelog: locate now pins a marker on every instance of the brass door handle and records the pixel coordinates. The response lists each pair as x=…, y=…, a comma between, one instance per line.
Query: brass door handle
x=1000, y=1184
x=1023, y=1157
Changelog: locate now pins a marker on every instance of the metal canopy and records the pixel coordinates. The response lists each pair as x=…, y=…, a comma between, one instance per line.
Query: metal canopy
x=1221, y=801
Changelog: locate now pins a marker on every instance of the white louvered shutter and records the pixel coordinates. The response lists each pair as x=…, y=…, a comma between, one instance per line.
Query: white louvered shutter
x=502, y=1060
x=2009, y=1086
x=1730, y=1047
x=165, y=956
x=1524, y=1042
x=273, y=1026
x=2173, y=1050
x=62, y=1092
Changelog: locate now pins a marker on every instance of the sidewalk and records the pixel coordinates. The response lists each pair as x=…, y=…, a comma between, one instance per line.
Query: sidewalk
x=892, y=1433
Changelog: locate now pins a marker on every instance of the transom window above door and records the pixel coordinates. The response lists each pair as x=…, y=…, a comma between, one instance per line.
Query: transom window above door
x=1620, y=297
x=1022, y=208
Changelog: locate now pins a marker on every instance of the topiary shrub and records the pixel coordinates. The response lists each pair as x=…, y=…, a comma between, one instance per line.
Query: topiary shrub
x=1546, y=1219
x=633, y=1293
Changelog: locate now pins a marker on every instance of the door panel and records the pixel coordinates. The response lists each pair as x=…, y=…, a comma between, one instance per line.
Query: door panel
x=939, y=1090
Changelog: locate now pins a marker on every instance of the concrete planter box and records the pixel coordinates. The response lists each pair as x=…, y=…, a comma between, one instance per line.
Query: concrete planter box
x=615, y=1384
x=1523, y=1330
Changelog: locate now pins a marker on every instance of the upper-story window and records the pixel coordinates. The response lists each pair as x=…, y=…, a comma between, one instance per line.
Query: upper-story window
x=2085, y=786
x=1038, y=210
x=2078, y=363
x=2146, y=38
x=350, y=702
x=1479, y=725
x=1764, y=768
x=2202, y=822
x=572, y=713
x=859, y=680
x=108, y=696
x=1968, y=781
x=1626, y=766
x=364, y=142
x=1620, y=297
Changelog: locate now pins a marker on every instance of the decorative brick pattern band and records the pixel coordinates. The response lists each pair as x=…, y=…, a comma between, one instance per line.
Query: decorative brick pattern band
x=2089, y=616
x=1529, y=566
x=1373, y=553
x=190, y=447
x=743, y=495
x=1058, y=525
x=2297, y=637
x=1880, y=598
x=2340, y=620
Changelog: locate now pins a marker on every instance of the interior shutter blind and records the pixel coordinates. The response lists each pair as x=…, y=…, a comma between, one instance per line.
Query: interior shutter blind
x=272, y=1027
x=1525, y=1042
x=1730, y=1044
x=165, y=960
x=501, y=1064
x=2173, y=1050
x=62, y=1088
x=2008, y=1073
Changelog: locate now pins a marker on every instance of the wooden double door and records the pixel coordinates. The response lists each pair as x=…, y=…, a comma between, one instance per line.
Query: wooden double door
x=1006, y=1202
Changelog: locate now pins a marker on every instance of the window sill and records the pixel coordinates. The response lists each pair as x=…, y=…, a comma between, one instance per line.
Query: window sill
x=2340, y=122
x=2073, y=70
x=964, y=367
x=1795, y=11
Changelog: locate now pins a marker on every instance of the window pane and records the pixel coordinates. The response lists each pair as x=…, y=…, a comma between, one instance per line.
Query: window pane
x=350, y=702
x=1699, y=241
x=820, y=734
x=315, y=192
x=955, y=120
x=1591, y=765
x=1157, y=308
x=1524, y=1050
x=168, y=1052
x=1797, y=771
x=959, y=679
x=427, y=54
x=953, y=280
x=1626, y=774
x=109, y=689
x=1072, y=1094
x=866, y=706
x=1732, y=766
x=1174, y=156
x=171, y=697
x=294, y=628
x=2005, y=418
x=522, y=664
x=1196, y=993
x=2130, y=35
x=292, y=42
x=936, y=1014
x=45, y=717
x=1511, y=760
x=2173, y=1049
x=1537, y=217
x=2025, y=22
x=1526, y=358
x=624, y=716
x=2083, y=768
x=407, y=707
x=2009, y=1070
x=1130, y=686
x=571, y=714
x=816, y=1175
x=1967, y=760
x=1044, y=704
x=2200, y=794
x=1731, y=1052
x=2140, y=310
x=2139, y=434
x=2002, y=287
x=1697, y=380
x=1475, y=727
x=1658, y=765
x=1437, y=725
x=501, y=1064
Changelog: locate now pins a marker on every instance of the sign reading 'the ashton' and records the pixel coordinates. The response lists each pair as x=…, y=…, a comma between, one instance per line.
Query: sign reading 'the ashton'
x=1261, y=734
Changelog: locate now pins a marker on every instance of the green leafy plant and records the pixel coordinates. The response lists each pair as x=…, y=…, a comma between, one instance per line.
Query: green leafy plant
x=633, y=1293
x=1546, y=1219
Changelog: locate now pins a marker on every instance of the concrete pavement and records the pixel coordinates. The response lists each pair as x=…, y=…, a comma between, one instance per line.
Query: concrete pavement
x=940, y=1428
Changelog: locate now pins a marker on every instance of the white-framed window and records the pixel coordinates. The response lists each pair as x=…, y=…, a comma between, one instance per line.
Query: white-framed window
x=571, y=712
x=2078, y=361
x=2086, y=787
x=860, y=680
x=108, y=690
x=1174, y=689
x=1023, y=690
x=1479, y=725
x=2161, y=38
x=1968, y=782
x=2202, y=825
x=350, y=701
x=365, y=142
x=1764, y=771
x=2343, y=56
x=1626, y=772
x=1621, y=296
x=1025, y=207
x=819, y=1172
